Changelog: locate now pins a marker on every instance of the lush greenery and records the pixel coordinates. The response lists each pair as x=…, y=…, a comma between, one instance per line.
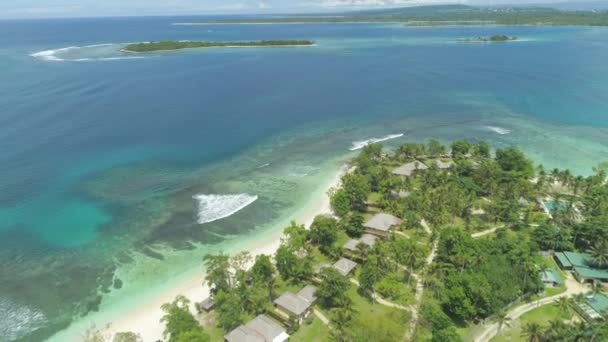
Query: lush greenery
x=166, y=45
x=450, y=15
x=466, y=252
x=492, y=39
x=180, y=325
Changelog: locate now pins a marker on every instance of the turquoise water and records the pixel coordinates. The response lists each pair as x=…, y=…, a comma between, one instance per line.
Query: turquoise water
x=102, y=153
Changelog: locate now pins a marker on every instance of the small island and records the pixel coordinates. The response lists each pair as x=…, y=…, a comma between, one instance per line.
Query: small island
x=493, y=39
x=169, y=45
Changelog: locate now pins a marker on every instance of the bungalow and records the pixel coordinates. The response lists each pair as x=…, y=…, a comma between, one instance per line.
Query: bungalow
x=260, y=329
x=551, y=277
x=366, y=239
x=444, y=165
x=593, y=307
x=381, y=224
x=407, y=170
x=206, y=305
x=344, y=266
x=297, y=306
x=581, y=266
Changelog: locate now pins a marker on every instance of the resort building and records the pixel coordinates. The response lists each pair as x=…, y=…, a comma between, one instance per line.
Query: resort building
x=581, y=266
x=260, y=329
x=444, y=165
x=297, y=307
x=344, y=266
x=381, y=224
x=207, y=304
x=366, y=239
x=409, y=169
x=551, y=277
x=594, y=307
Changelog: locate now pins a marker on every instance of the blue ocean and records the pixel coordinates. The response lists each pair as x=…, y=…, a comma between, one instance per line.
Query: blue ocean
x=119, y=171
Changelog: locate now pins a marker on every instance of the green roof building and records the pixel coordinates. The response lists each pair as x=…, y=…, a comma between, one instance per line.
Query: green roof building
x=581, y=266
x=594, y=306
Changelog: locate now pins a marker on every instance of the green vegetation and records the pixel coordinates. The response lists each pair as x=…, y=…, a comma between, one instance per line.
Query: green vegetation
x=180, y=325
x=492, y=39
x=449, y=15
x=431, y=262
x=167, y=45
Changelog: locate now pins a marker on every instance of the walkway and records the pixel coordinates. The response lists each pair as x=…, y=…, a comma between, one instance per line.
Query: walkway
x=490, y=330
x=321, y=316
x=381, y=300
x=485, y=232
x=409, y=334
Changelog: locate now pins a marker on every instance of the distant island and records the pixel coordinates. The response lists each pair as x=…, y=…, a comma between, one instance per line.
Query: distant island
x=168, y=45
x=439, y=15
x=493, y=39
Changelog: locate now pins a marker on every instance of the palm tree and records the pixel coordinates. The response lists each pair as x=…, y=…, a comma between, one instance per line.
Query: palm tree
x=563, y=304
x=599, y=254
x=340, y=319
x=502, y=319
x=533, y=332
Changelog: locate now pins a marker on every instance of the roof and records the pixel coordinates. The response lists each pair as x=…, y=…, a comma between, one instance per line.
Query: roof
x=569, y=259
x=308, y=293
x=551, y=276
x=259, y=329
x=598, y=302
x=383, y=222
x=409, y=168
x=207, y=303
x=293, y=303
x=345, y=266
x=594, y=273
x=444, y=165
x=367, y=239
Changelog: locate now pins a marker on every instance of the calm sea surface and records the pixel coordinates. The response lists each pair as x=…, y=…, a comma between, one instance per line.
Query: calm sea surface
x=119, y=171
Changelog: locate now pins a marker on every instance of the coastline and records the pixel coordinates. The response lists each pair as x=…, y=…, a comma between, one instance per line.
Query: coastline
x=144, y=319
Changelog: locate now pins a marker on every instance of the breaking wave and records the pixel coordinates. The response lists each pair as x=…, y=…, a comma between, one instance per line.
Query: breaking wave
x=357, y=145
x=18, y=321
x=216, y=207
x=98, y=52
x=499, y=130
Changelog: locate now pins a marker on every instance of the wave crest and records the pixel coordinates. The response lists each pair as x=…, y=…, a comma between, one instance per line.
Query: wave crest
x=499, y=130
x=357, y=145
x=216, y=207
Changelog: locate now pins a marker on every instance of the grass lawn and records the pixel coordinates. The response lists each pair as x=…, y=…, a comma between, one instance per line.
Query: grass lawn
x=313, y=331
x=542, y=316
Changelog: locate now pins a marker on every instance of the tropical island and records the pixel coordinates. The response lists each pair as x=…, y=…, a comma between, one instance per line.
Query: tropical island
x=442, y=15
x=168, y=45
x=492, y=39
x=425, y=243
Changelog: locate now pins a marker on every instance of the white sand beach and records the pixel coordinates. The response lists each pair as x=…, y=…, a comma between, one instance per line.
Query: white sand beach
x=145, y=319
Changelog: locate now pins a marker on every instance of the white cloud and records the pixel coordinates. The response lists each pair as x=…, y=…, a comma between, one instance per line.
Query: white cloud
x=379, y=3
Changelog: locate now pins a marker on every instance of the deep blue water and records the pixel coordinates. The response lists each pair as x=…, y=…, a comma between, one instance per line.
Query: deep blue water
x=91, y=147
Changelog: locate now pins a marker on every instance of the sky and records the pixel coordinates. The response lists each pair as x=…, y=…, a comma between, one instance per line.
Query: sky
x=82, y=8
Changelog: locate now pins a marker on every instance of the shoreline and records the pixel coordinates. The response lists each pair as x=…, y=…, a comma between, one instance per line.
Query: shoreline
x=144, y=319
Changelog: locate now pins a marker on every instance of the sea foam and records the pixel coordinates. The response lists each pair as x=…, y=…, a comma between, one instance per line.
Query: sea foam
x=79, y=54
x=18, y=320
x=216, y=207
x=499, y=130
x=357, y=145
